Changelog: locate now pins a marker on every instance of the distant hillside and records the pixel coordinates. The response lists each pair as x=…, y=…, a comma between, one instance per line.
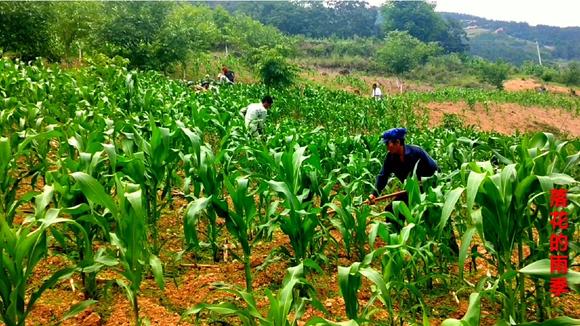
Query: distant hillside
x=515, y=42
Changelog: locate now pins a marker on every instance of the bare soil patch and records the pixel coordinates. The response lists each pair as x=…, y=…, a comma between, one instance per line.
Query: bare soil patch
x=508, y=118
x=518, y=85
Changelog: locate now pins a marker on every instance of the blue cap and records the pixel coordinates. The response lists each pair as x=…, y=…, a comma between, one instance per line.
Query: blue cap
x=393, y=134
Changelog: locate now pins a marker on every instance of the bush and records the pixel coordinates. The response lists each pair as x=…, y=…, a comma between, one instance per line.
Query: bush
x=571, y=76
x=494, y=73
x=548, y=75
x=275, y=71
x=531, y=68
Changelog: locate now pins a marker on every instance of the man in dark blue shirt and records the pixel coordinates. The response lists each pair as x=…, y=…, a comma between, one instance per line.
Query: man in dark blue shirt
x=401, y=160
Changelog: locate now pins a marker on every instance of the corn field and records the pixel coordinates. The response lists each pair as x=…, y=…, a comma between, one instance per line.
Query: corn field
x=92, y=159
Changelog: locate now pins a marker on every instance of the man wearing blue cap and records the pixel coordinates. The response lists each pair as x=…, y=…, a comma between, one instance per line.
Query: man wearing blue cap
x=401, y=160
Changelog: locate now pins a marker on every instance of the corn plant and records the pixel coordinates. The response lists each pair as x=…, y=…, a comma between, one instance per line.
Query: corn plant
x=66, y=194
x=350, y=280
x=296, y=222
x=351, y=222
x=431, y=235
x=286, y=307
x=160, y=161
x=205, y=177
x=239, y=220
x=22, y=248
x=404, y=257
x=81, y=232
x=130, y=235
x=502, y=216
x=389, y=286
x=11, y=176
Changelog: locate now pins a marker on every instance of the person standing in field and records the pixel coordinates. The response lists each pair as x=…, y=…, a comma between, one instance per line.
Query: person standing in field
x=401, y=160
x=377, y=93
x=255, y=115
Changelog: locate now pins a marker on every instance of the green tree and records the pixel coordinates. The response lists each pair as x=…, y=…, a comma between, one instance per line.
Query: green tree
x=187, y=30
x=274, y=69
x=402, y=52
x=350, y=18
x=76, y=23
x=455, y=39
x=24, y=29
x=133, y=29
x=317, y=19
x=251, y=34
x=421, y=21
x=241, y=34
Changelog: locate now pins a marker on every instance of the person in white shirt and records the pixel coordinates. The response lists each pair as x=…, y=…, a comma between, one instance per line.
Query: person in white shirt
x=377, y=94
x=255, y=115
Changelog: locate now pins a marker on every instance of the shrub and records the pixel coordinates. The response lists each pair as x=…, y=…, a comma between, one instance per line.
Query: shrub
x=494, y=73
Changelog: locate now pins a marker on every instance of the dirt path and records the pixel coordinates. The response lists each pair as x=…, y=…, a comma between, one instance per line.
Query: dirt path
x=507, y=118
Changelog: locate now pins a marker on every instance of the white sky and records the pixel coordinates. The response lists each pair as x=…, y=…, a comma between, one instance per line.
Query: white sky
x=561, y=13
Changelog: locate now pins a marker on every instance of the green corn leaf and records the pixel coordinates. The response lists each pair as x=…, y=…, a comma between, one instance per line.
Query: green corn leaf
x=43, y=200
x=223, y=308
x=560, y=321
x=252, y=308
x=285, y=296
x=561, y=179
x=376, y=278
x=472, y=315
x=76, y=309
x=377, y=229
x=112, y=154
x=465, y=243
x=541, y=268
x=128, y=291
x=62, y=274
x=473, y=182
x=94, y=191
x=5, y=154
x=77, y=209
x=157, y=269
x=349, y=282
x=450, y=202
x=312, y=265
x=281, y=187
x=319, y=321
x=191, y=218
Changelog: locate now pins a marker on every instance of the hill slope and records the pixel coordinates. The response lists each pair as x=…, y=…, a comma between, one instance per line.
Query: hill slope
x=515, y=42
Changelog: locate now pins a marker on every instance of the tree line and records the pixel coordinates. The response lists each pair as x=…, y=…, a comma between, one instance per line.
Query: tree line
x=565, y=41
x=152, y=35
x=348, y=19
x=168, y=36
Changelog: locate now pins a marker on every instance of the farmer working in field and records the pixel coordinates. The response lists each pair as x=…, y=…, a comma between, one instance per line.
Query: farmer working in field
x=226, y=76
x=255, y=115
x=401, y=160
